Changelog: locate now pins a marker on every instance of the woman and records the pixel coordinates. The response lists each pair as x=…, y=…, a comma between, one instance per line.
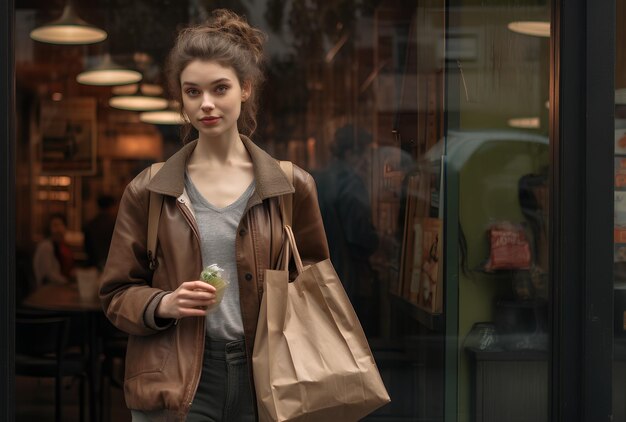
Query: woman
x=53, y=261
x=221, y=205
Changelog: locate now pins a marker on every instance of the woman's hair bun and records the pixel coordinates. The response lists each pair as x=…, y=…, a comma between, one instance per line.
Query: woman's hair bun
x=235, y=27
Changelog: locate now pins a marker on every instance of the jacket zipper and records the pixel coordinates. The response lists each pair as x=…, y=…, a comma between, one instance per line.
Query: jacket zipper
x=187, y=400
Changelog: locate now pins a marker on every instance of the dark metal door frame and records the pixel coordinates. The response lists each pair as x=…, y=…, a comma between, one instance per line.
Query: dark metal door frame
x=582, y=136
x=7, y=211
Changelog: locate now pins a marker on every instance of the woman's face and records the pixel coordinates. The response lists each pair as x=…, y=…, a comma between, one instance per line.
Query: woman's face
x=57, y=229
x=212, y=97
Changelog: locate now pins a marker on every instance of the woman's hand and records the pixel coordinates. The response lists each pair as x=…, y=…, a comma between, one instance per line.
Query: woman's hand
x=190, y=299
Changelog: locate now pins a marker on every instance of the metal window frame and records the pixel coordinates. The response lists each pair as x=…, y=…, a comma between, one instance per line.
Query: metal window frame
x=7, y=211
x=581, y=208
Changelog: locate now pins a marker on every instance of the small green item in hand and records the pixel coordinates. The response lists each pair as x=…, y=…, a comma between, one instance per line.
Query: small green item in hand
x=212, y=274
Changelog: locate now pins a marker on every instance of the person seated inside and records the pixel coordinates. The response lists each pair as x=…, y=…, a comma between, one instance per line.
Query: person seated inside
x=53, y=261
x=99, y=231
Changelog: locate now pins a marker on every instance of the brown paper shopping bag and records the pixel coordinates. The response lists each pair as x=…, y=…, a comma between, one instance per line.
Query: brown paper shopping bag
x=311, y=359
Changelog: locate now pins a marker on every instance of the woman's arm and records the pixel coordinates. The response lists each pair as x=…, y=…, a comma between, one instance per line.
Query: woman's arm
x=126, y=291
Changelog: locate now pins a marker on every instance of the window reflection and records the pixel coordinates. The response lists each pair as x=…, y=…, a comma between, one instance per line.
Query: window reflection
x=425, y=126
x=498, y=162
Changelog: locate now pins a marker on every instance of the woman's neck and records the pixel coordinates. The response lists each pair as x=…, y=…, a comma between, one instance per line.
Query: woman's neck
x=219, y=151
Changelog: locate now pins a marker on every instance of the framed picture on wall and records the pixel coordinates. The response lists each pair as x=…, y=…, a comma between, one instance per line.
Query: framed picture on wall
x=67, y=143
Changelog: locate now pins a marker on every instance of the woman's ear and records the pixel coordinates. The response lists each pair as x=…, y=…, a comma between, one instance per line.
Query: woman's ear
x=246, y=91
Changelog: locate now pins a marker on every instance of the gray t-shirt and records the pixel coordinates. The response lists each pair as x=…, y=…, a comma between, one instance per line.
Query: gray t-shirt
x=218, y=229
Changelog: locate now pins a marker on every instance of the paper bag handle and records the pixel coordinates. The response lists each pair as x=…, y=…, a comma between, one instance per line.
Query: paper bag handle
x=290, y=246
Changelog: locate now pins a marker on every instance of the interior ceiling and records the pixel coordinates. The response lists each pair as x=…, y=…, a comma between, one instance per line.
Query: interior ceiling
x=140, y=32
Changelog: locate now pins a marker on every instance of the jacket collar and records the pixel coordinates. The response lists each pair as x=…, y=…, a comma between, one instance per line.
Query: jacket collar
x=269, y=178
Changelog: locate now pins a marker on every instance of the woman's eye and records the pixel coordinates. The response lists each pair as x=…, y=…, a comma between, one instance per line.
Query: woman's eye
x=192, y=92
x=221, y=89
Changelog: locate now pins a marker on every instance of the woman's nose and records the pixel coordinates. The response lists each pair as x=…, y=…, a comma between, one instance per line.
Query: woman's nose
x=207, y=103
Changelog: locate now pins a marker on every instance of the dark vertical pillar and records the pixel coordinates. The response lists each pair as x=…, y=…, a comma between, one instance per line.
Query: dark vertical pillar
x=7, y=214
x=582, y=136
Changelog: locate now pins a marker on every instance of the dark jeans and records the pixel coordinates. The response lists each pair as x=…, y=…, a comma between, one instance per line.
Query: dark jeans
x=224, y=392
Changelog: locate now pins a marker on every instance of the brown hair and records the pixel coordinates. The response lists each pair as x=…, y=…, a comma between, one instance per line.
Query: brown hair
x=228, y=39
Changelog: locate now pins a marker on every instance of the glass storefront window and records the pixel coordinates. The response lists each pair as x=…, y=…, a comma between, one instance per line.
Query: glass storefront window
x=425, y=126
x=497, y=166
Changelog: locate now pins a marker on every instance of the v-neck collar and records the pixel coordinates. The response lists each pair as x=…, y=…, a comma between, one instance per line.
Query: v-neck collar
x=270, y=180
x=204, y=202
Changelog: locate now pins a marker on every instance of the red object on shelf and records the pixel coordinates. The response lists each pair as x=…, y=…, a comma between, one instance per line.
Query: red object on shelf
x=510, y=249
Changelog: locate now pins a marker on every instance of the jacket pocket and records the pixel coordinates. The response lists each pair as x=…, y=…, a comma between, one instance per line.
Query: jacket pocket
x=148, y=353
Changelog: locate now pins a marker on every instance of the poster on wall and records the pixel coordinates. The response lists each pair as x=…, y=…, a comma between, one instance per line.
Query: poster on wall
x=68, y=137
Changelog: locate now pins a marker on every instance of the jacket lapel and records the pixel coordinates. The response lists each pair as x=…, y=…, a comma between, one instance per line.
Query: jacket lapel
x=270, y=179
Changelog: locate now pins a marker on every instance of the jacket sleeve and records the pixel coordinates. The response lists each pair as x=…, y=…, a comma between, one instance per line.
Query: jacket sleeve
x=125, y=290
x=308, y=227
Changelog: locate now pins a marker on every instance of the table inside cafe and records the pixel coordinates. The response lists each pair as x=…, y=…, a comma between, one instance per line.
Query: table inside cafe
x=66, y=298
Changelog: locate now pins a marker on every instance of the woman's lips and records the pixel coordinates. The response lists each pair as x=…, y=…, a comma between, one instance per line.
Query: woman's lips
x=209, y=121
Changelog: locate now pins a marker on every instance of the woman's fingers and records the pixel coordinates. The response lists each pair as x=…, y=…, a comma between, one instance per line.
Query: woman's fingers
x=195, y=295
x=196, y=303
x=197, y=285
x=191, y=298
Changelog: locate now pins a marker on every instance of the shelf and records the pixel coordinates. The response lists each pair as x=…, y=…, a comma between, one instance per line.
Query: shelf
x=432, y=321
x=507, y=355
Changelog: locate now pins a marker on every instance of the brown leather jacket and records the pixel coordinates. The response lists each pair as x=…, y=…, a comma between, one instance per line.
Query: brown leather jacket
x=164, y=358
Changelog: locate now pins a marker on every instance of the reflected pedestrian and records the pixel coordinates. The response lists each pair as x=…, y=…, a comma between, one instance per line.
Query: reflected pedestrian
x=345, y=205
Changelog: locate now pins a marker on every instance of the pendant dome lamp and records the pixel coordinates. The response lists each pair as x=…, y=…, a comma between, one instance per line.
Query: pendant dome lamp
x=108, y=73
x=532, y=28
x=163, y=117
x=138, y=101
x=69, y=29
x=171, y=116
x=151, y=90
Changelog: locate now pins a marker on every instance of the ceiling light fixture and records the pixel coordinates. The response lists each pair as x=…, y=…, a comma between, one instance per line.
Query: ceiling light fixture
x=147, y=89
x=171, y=116
x=108, y=73
x=138, y=101
x=525, y=122
x=533, y=28
x=69, y=29
x=164, y=117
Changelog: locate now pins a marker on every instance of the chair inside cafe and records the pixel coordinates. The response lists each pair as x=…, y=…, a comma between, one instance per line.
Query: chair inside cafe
x=41, y=350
